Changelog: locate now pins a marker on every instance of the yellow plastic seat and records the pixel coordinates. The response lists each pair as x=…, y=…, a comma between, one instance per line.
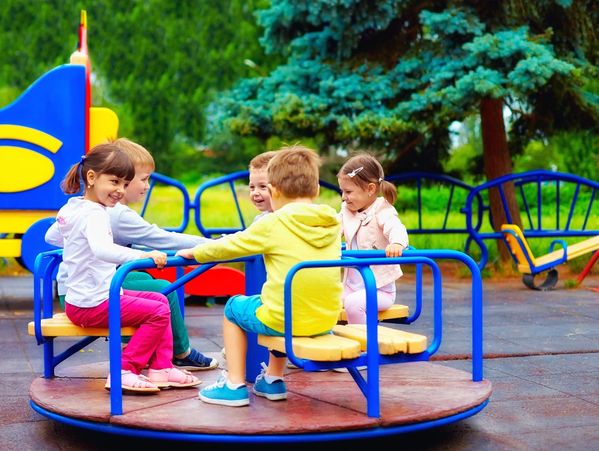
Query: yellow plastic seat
x=521, y=249
x=323, y=348
x=391, y=341
x=396, y=311
x=61, y=326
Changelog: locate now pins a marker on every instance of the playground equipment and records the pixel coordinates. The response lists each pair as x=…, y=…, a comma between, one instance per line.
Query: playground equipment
x=587, y=269
x=566, y=213
x=530, y=265
x=42, y=134
x=423, y=394
x=223, y=281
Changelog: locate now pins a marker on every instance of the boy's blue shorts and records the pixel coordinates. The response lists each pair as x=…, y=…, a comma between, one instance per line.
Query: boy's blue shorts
x=241, y=310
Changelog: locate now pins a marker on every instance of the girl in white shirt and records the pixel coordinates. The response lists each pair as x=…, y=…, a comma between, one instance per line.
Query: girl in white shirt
x=91, y=257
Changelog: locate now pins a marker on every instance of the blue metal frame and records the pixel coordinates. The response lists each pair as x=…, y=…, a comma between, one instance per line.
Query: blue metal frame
x=253, y=285
x=530, y=230
x=420, y=179
x=361, y=260
x=47, y=262
x=230, y=180
x=46, y=265
x=160, y=178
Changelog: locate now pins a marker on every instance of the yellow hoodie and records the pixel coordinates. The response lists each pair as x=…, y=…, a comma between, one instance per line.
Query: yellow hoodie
x=292, y=234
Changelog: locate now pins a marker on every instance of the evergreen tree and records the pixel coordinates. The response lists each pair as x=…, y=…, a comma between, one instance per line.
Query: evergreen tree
x=392, y=75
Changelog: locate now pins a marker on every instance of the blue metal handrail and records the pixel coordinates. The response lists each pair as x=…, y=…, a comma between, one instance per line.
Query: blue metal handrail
x=537, y=179
x=160, y=178
x=230, y=180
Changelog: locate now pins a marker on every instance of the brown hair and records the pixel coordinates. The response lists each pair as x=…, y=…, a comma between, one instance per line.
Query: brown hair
x=138, y=154
x=363, y=169
x=294, y=171
x=260, y=161
x=102, y=159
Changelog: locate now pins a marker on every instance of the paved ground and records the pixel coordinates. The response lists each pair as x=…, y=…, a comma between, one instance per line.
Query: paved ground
x=543, y=361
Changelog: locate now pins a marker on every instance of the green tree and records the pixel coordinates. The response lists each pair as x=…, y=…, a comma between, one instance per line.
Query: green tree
x=393, y=75
x=156, y=63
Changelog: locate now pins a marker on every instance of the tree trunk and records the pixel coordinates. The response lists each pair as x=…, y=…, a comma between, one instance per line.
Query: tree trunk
x=497, y=162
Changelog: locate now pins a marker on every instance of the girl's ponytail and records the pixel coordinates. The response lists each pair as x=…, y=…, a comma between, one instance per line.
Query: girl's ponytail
x=72, y=181
x=389, y=191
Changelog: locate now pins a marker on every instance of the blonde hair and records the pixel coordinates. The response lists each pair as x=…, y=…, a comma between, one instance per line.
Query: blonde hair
x=260, y=161
x=363, y=169
x=294, y=171
x=139, y=154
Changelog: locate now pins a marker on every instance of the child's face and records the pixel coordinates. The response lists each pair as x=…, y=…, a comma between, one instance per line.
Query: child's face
x=356, y=198
x=105, y=189
x=139, y=185
x=259, y=194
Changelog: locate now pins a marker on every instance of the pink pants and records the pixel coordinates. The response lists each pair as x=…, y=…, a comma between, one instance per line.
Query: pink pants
x=354, y=303
x=152, y=343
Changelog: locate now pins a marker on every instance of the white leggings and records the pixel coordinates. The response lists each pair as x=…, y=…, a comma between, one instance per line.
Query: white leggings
x=354, y=302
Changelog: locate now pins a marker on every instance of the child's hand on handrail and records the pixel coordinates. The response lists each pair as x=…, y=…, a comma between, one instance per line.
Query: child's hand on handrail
x=158, y=257
x=185, y=253
x=394, y=250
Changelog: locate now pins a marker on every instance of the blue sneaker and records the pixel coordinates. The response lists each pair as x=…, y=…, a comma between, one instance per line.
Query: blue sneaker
x=195, y=361
x=219, y=393
x=274, y=391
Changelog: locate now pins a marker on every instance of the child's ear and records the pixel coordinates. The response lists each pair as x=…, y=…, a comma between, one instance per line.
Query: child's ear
x=274, y=192
x=371, y=189
x=91, y=177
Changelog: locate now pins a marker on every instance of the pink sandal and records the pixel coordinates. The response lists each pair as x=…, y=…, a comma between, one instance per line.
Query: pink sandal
x=134, y=384
x=172, y=377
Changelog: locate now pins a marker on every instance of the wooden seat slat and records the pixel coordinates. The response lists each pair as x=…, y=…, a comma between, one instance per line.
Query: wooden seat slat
x=396, y=311
x=323, y=348
x=61, y=326
x=391, y=341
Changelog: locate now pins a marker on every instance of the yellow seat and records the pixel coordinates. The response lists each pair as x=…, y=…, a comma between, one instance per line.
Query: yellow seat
x=391, y=341
x=323, y=348
x=396, y=311
x=512, y=232
x=61, y=326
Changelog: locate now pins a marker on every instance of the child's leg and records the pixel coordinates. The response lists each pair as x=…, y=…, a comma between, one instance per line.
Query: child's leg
x=354, y=303
x=150, y=313
x=153, y=341
x=276, y=365
x=141, y=281
x=236, y=346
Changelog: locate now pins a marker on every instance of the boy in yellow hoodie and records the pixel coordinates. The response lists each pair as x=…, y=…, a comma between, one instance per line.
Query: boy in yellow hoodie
x=296, y=231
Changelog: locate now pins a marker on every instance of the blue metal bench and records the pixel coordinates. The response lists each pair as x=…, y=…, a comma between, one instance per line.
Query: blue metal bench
x=538, y=220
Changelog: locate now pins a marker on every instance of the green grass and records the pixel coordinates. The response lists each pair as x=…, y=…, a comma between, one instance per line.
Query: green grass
x=218, y=211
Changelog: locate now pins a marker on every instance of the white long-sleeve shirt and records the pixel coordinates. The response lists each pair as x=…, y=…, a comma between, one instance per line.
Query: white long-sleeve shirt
x=128, y=228
x=90, y=256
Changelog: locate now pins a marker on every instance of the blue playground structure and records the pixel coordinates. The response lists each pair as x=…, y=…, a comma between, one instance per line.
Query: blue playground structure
x=335, y=414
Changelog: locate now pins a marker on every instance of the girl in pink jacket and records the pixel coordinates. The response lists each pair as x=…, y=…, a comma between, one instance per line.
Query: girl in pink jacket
x=369, y=222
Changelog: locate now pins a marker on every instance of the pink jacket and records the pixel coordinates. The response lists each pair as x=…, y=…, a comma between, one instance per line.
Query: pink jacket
x=375, y=228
